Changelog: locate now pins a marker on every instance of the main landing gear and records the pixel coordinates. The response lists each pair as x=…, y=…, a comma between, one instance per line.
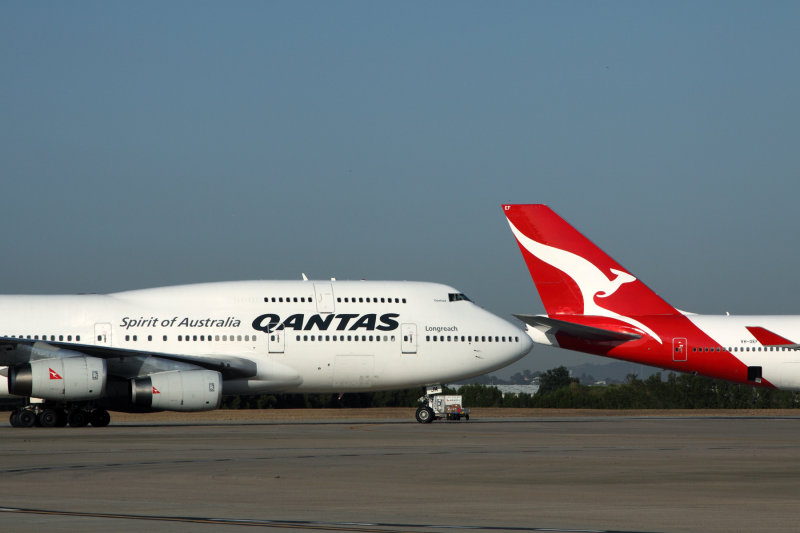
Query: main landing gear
x=53, y=417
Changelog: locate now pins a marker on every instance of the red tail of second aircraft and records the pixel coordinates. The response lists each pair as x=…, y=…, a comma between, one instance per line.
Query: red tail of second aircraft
x=594, y=305
x=572, y=275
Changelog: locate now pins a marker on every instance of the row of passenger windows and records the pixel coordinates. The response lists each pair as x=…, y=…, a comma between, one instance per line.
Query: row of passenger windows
x=346, y=299
x=343, y=338
x=61, y=338
x=387, y=338
x=373, y=300
x=468, y=338
x=741, y=349
x=200, y=338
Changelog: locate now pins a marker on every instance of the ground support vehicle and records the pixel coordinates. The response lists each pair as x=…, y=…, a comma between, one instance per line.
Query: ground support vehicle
x=437, y=406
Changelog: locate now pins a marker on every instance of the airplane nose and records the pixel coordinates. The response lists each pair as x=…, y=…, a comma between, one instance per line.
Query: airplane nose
x=517, y=349
x=525, y=344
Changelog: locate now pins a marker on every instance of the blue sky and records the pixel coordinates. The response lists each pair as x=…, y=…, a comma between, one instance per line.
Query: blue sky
x=156, y=143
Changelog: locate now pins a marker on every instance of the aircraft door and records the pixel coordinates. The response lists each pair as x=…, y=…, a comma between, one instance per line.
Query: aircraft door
x=679, y=350
x=324, y=295
x=408, y=338
x=275, y=341
x=102, y=334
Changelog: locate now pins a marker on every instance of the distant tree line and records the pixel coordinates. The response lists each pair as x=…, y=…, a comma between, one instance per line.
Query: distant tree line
x=677, y=391
x=557, y=390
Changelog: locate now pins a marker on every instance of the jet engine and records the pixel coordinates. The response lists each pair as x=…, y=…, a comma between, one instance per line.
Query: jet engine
x=178, y=390
x=76, y=378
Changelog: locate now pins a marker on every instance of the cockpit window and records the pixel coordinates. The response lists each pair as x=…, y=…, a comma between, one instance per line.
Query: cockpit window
x=457, y=297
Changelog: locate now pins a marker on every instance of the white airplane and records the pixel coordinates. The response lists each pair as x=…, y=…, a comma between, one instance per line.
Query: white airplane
x=596, y=306
x=182, y=348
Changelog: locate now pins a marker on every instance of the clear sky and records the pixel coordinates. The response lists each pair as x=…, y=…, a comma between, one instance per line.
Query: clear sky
x=155, y=143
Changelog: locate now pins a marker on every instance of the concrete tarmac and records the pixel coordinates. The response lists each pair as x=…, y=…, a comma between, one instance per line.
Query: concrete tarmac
x=650, y=474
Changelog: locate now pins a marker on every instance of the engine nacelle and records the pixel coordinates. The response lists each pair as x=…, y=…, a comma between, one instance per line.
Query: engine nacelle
x=4, y=392
x=178, y=390
x=76, y=378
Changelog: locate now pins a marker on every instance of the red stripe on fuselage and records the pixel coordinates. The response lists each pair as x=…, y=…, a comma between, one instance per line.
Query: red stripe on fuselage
x=703, y=354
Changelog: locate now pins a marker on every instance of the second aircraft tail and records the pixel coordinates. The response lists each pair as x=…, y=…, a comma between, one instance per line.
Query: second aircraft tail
x=574, y=276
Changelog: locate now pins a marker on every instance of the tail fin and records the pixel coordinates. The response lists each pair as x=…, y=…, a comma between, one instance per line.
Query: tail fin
x=572, y=275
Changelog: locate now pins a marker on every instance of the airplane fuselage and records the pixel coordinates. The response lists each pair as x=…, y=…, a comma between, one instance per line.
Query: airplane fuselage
x=275, y=336
x=710, y=345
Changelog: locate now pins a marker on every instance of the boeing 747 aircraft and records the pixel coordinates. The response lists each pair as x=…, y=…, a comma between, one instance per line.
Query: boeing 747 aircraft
x=182, y=348
x=595, y=306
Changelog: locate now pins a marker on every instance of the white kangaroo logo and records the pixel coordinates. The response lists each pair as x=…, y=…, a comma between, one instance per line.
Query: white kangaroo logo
x=590, y=280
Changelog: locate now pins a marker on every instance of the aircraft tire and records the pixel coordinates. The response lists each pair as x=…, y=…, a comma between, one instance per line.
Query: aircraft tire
x=48, y=418
x=424, y=415
x=26, y=418
x=99, y=418
x=62, y=418
x=78, y=418
x=14, y=419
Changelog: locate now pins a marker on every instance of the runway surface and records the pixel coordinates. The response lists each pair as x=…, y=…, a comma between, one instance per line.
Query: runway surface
x=650, y=474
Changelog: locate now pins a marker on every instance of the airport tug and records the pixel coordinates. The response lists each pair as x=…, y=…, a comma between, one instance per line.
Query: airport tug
x=436, y=406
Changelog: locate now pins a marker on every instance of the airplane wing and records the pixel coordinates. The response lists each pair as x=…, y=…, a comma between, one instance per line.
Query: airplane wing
x=230, y=367
x=769, y=339
x=552, y=325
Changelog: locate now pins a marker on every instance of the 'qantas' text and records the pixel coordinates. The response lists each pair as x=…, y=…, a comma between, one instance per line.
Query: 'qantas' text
x=270, y=322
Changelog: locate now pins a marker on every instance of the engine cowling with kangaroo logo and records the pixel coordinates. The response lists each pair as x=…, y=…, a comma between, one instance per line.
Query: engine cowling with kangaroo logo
x=77, y=378
x=178, y=390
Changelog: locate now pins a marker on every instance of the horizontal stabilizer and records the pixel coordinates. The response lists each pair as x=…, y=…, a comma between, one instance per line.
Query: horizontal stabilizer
x=552, y=325
x=768, y=338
